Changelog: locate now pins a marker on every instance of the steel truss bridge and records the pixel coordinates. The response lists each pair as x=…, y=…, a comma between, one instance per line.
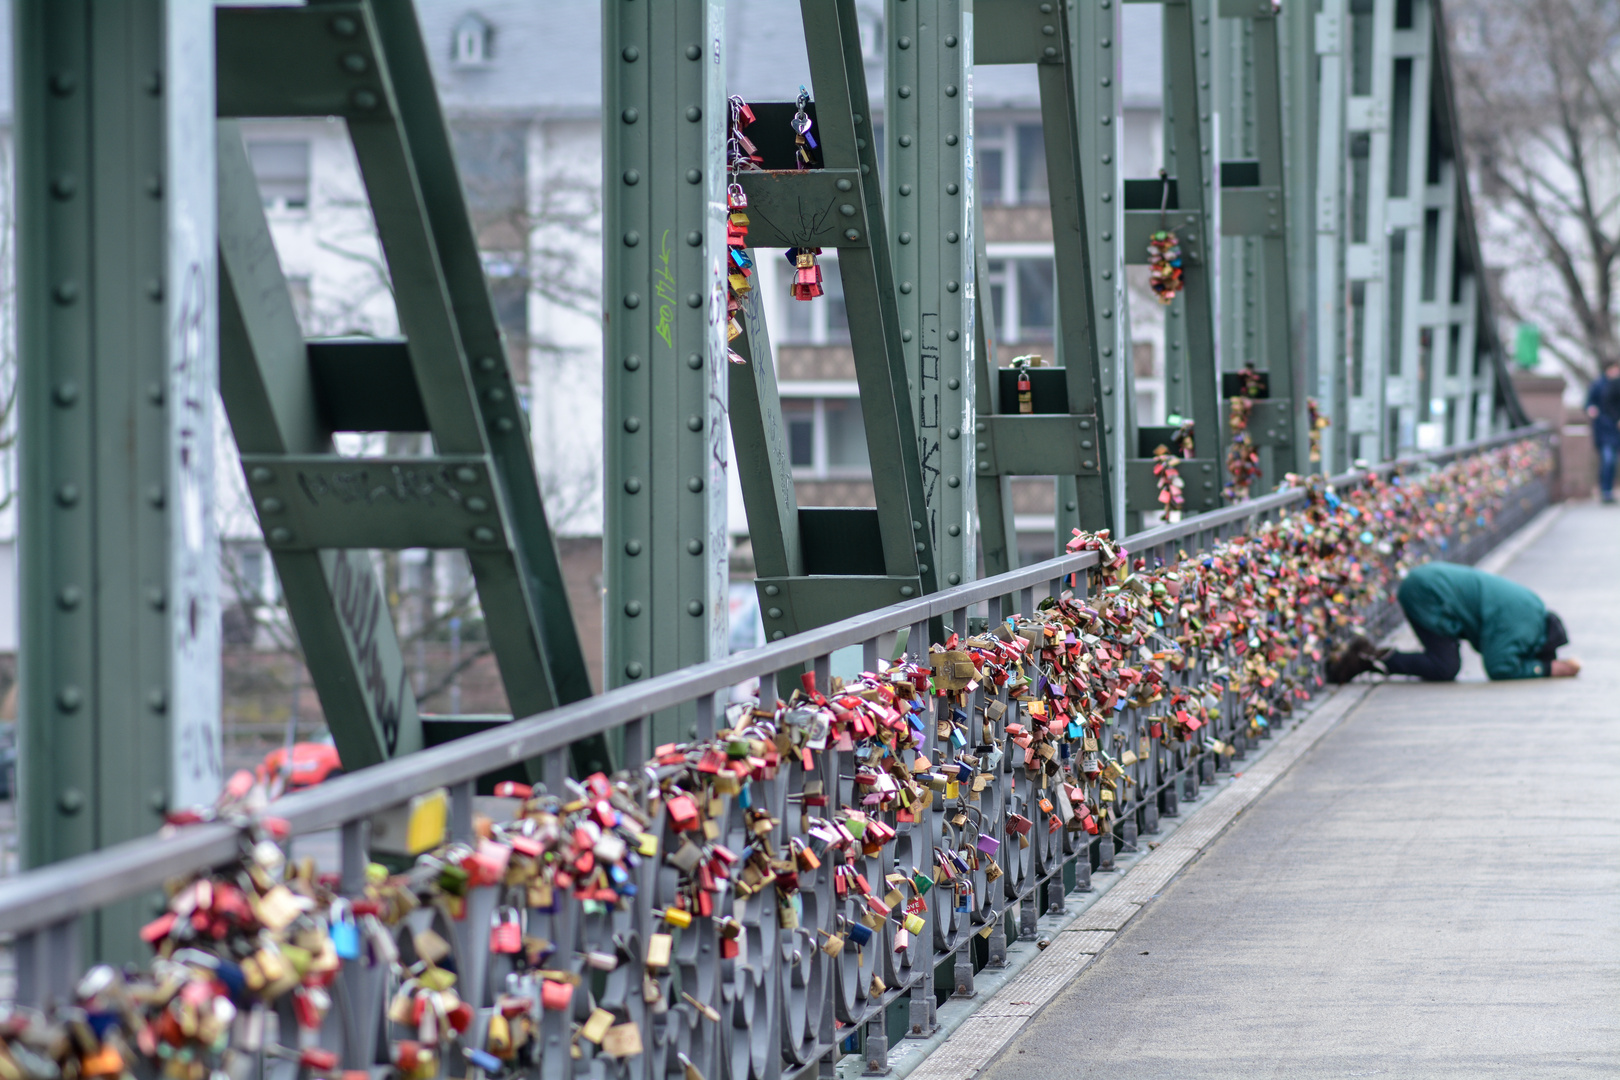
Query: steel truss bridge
x=1311, y=177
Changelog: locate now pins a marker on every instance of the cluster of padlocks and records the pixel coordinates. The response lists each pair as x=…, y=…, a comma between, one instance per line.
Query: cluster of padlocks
x=754, y=895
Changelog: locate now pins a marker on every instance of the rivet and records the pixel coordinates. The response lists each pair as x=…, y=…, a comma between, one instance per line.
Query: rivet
x=69, y=698
x=693, y=175
x=157, y=701
x=773, y=590
x=983, y=448
x=951, y=286
x=953, y=481
x=632, y=547
x=694, y=300
x=632, y=670
x=630, y=116
x=632, y=300
x=905, y=590
x=261, y=474
x=694, y=114
x=483, y=534
x=694, y=51
x=844, y=185
x=632, y=177
x=633, y=608
x=858, y=118
x=852, y=234
x=496, y=393
x=694, y=238
x=950, y=41
x=866, y=170
x=904, y=43
x=344, y=26
x=954, y=578
x=280, y=535
x=632, y=485
x=632, y=362
x=694, y=361
x=950, y=91
x=467, y=475
x=631, y=54
x=905, y=238
x=694, y=423
x=915, y=525
x=775, y=613
x=154, y=288
x=504, y=423
x=66, y=393
x=67, y=494
x=950, y=140
x=71, y=801
x=951, y=189
x=632, y=423
x=1088, y=464
x=364, y=99
x=1049, y=52
x=487, y=363
x=477, y=505
x=155, y=597
x=355, y=63
x=272, y=505
x=905, y=286
x=954, y=530
x=69, y=597
x=847, y=209
x=905, y=335
x=952, y=335
x=1048, y=29
x=903, y=91
x=778, y=635
x=905, y=140
x=64, y=83
x=694, y=547
x=65, y=186
x=695, y=484
x=952, y=237
x=66, y=292
x=695, y=607
x=953, y=382
x=1069, y=505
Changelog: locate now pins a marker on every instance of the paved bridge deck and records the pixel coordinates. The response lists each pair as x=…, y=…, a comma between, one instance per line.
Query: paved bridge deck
x=1432, y=890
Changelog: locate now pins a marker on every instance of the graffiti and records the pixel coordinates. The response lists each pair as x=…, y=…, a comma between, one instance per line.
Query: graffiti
x=664, y=286
x=361, y=609
x=370, y=485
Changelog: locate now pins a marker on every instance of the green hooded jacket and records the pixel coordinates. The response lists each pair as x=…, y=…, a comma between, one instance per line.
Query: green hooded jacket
x=1505, y=621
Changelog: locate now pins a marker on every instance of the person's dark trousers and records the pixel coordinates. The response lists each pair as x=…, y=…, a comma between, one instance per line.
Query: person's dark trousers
x=1608, y=452
x=1439, y=661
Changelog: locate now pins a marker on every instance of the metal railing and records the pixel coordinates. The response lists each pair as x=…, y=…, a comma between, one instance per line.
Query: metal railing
x=784, y=1004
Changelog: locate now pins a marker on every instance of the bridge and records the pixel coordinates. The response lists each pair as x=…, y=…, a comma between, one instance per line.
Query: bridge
x=966, y=788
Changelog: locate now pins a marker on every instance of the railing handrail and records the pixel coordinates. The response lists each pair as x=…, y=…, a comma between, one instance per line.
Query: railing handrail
x=75, y=886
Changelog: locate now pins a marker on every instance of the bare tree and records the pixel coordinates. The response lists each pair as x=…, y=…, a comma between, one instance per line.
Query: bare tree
x=1539, y=95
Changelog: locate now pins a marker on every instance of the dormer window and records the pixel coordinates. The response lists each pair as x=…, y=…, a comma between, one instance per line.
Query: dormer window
x=472, y=42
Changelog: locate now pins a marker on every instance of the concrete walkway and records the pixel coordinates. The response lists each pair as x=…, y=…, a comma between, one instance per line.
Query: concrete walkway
x=1433, y=890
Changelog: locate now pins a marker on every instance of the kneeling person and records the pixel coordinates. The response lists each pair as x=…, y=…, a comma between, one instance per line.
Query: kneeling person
x=1447, y=604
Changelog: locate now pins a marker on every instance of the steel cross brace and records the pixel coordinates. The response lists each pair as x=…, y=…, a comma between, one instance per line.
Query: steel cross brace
x=364, y=60
x=1067, y=434
x=818, y=565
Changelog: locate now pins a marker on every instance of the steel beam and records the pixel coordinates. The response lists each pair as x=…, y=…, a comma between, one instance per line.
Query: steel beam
x=928, y=120
x=666, y=548
x=117, y=334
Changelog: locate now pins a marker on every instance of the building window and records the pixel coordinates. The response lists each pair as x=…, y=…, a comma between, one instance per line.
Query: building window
x=1022, y=298
x=282, y=168
x=472, y=43
x=822, y=321
x=1011, y=164
x=826, y=437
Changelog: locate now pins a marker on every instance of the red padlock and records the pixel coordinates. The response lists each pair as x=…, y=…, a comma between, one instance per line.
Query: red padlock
x=556, y=996
x=683, y=813
x=506, y=935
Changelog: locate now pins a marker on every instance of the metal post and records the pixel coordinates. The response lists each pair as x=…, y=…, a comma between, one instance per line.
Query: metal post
x=665, y=394
x=118, y=338
x=929, y=125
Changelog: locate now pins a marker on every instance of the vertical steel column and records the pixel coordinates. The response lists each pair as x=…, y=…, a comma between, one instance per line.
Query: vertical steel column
x=1187, y=117
x=1372, y=235
x=116, y=255
x=665, y=393
x=929, y=122
x=1330, y=305
x=1410, y=368
x=1098, y=71
x=1296, y=26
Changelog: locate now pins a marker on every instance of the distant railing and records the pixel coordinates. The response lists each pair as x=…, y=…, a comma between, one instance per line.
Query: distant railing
x=783, y=1003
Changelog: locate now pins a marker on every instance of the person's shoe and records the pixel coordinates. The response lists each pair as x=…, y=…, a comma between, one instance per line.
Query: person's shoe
x=1372, y=653
x=1346, y=664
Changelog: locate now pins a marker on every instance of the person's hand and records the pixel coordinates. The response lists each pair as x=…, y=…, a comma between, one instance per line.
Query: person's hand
x=1565, y=669
x=1591, y=410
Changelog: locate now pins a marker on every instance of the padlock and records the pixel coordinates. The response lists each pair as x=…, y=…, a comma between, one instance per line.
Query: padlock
x=506, y=933
x=343, y=931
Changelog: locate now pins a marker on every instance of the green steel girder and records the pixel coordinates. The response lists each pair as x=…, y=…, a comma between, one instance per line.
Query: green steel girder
x=364, y=60
x=666, y=557
x=928, y=121
x=819, y=565
x=1007, y=443
x=119, y=673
